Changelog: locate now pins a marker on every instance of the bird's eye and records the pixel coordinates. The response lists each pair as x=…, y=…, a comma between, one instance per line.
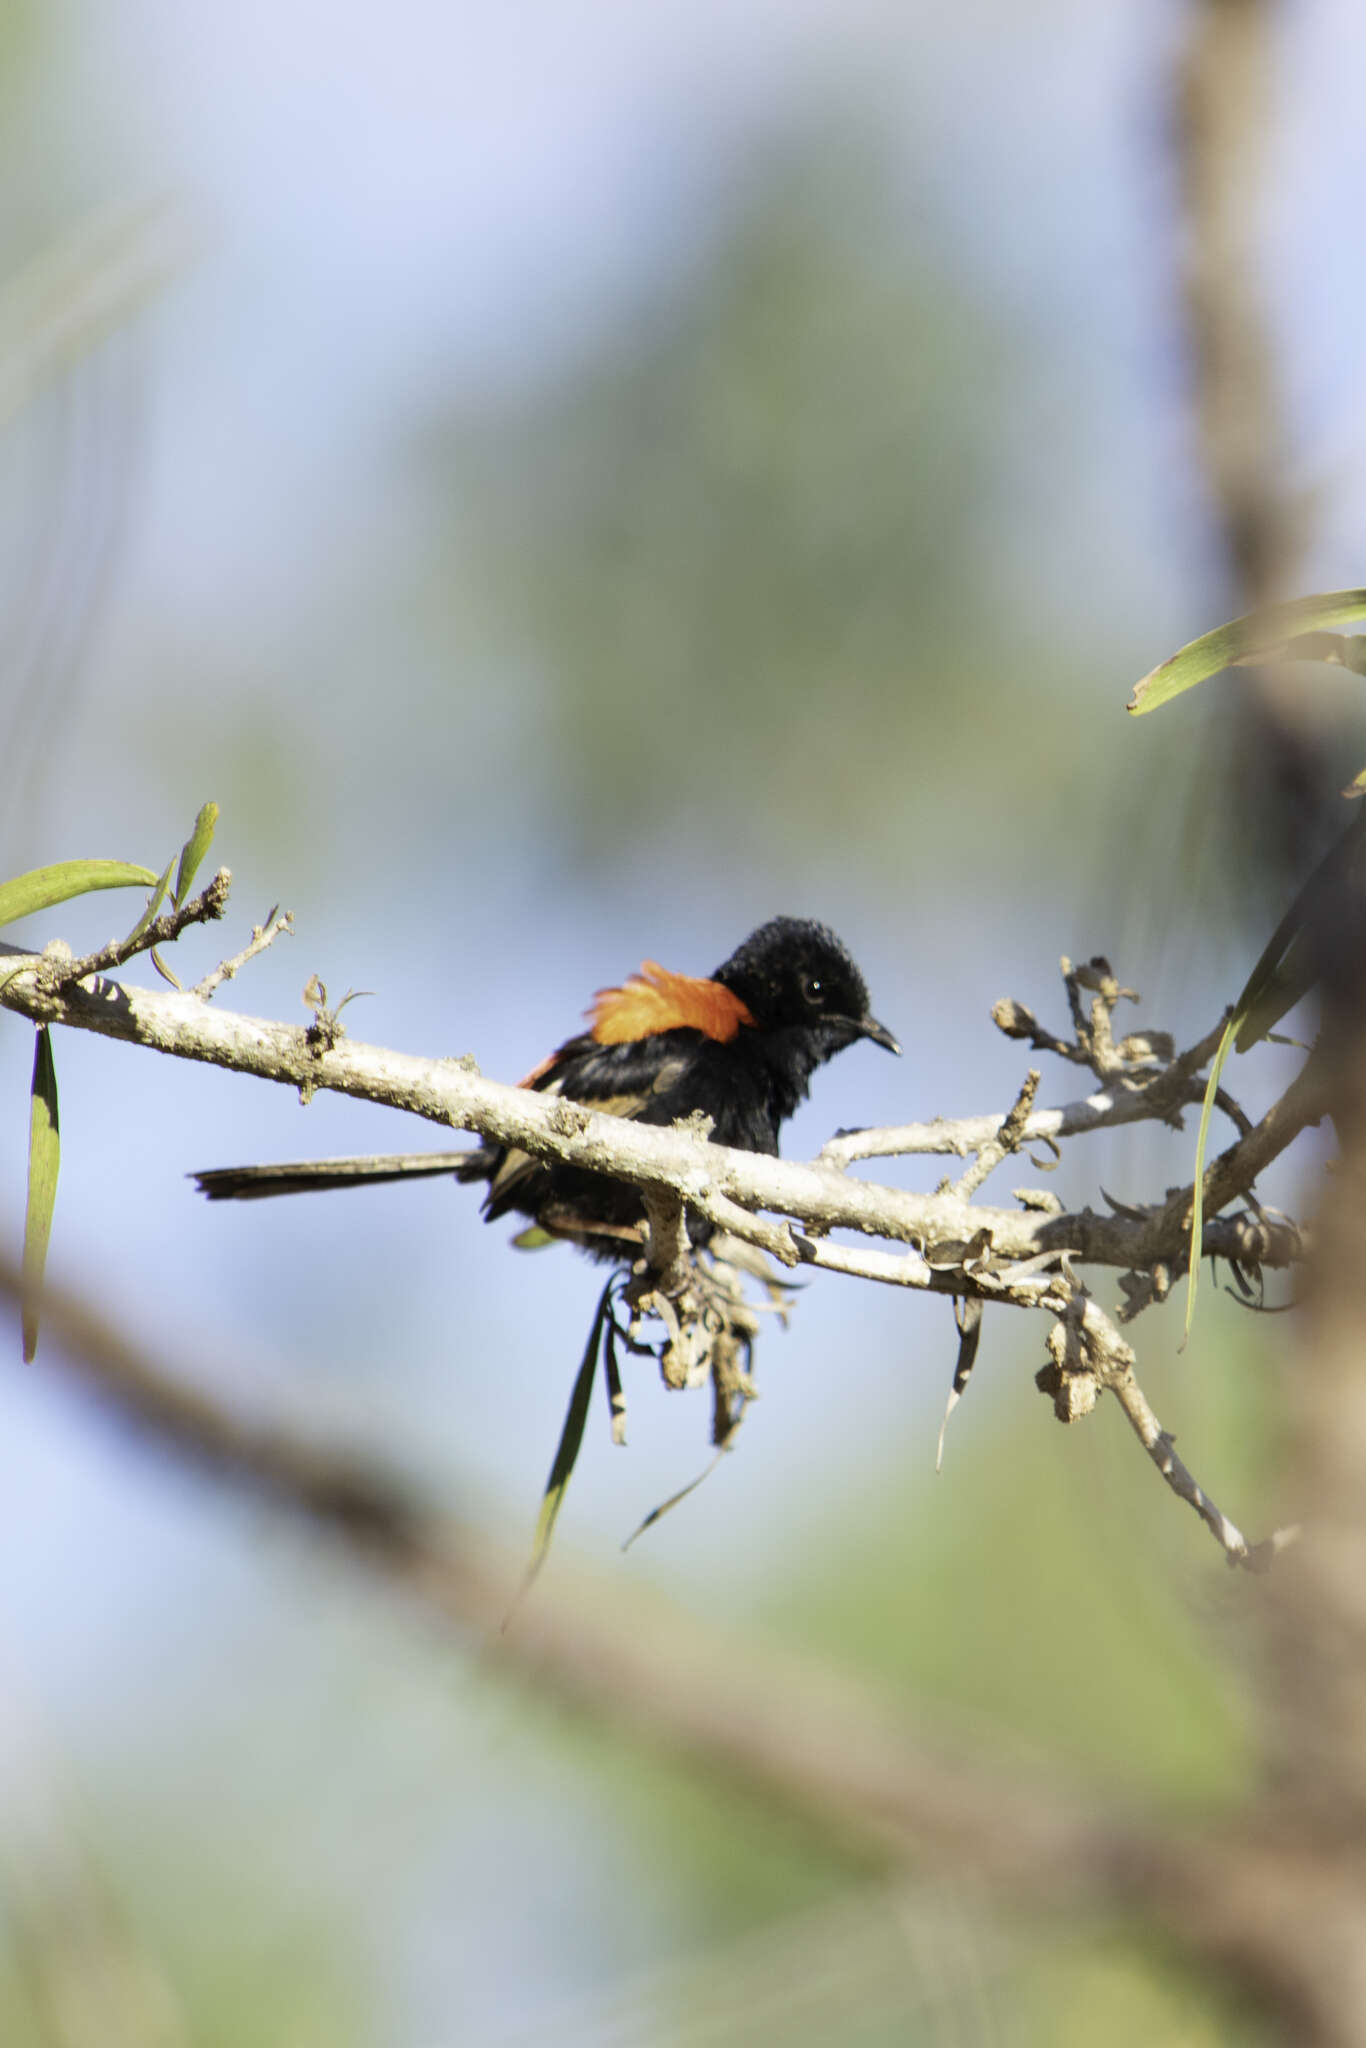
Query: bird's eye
x=814, y=989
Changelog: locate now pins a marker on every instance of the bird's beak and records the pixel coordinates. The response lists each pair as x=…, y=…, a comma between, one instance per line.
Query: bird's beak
x=880, y=1035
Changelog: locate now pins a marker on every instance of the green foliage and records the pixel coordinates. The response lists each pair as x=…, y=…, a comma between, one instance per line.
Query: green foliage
x=194, y=850
x=571, y=1437
x=44, y=1158
x=1280, y=632
x=1287, y=968
x=42, y=888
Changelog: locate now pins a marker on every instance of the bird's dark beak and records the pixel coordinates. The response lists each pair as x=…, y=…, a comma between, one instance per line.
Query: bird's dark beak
x=880, y=1035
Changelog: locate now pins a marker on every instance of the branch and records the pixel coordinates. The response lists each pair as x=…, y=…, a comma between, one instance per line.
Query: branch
x=724, y=1185
x=262, y=935
x=60, y=971
x=804, y=1742
x=1023, y=1258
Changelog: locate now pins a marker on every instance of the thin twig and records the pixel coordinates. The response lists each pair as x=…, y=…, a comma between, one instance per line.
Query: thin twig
x=59, y=971
x=1133, y=1099
x=1113, y=1363
x=1007, y=1139
x=262, y=935
x=726, y=1186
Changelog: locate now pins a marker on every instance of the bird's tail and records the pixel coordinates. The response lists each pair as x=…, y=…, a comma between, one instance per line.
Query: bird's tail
x=309, y=1176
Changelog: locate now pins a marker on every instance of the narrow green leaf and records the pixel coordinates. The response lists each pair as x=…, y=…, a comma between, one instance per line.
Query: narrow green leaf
x=193, y=852
x=1285, y=971
x=44, y=1153
x=1286, y=968
x=567, y=1451
x=40, y=888
x=616, y=1398
x=658, y=1514
x=1201, y=1142
x=1257, y=636
x=154, y=903
x=534, y=1239
x=1263, y=1007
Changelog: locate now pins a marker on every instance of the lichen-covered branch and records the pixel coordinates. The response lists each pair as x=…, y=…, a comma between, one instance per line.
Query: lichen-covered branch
x=730, y=1188
x=947, y=1242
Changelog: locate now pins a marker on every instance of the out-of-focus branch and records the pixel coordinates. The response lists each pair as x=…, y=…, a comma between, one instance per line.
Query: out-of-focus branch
x=1225, y=124
x=812, y=1744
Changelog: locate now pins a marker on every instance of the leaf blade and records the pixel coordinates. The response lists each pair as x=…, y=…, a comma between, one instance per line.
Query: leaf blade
x=193, y=851
x=154, y=903
x=1255, y=636
x=567, y=1450
x=1286, y=970
x=41, y=888
x=44, y=1158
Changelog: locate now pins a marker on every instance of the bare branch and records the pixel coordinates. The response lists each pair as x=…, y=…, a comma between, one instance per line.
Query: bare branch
x=727, y=1187
x=1007, y=1139
x=946, y=1242
x=1112, y=1361
x=1129, y=1099
x=59, y=970
x=262, y=935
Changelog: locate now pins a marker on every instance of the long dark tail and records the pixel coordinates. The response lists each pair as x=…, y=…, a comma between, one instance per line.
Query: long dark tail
x=310, y=1176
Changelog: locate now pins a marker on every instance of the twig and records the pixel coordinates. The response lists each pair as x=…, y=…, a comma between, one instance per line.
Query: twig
x=947, y=1243
x=727, y=1187
x=262, y=935
x=1007, y=1139
x=1113, y=1362
x=1131, y=1099
x=59, y=971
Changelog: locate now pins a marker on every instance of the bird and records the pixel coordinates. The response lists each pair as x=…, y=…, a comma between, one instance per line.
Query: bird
x=739, y=1046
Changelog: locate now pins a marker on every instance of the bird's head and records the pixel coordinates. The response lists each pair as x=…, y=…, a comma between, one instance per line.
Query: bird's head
x=795, y=976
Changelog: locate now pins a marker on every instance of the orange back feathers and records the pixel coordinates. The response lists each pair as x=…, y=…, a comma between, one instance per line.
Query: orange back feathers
x=656, y=1000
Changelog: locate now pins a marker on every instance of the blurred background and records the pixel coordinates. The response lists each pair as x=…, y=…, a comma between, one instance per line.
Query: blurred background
x=571, y=482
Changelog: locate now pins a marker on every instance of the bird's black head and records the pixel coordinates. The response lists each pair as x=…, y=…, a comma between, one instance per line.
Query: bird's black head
x=796, y=978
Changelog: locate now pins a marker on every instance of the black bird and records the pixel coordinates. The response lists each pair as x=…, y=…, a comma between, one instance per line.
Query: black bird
x=740, y=1047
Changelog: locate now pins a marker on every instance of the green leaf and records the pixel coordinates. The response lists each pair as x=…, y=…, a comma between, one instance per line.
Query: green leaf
x=658, y=1514
x=1285, y=971
x=193, y=852
x=40, y=888
x=154, y=903
x=1257, y=636
x=44, y=1153
x=164, y=971
x=1287, y=966
x=567, y=1451
x=1198, y=1195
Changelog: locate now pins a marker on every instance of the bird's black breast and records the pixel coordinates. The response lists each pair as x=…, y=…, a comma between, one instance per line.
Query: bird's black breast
x=724, y=1082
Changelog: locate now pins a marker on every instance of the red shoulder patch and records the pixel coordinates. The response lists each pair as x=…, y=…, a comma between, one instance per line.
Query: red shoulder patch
x=655, y=1000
